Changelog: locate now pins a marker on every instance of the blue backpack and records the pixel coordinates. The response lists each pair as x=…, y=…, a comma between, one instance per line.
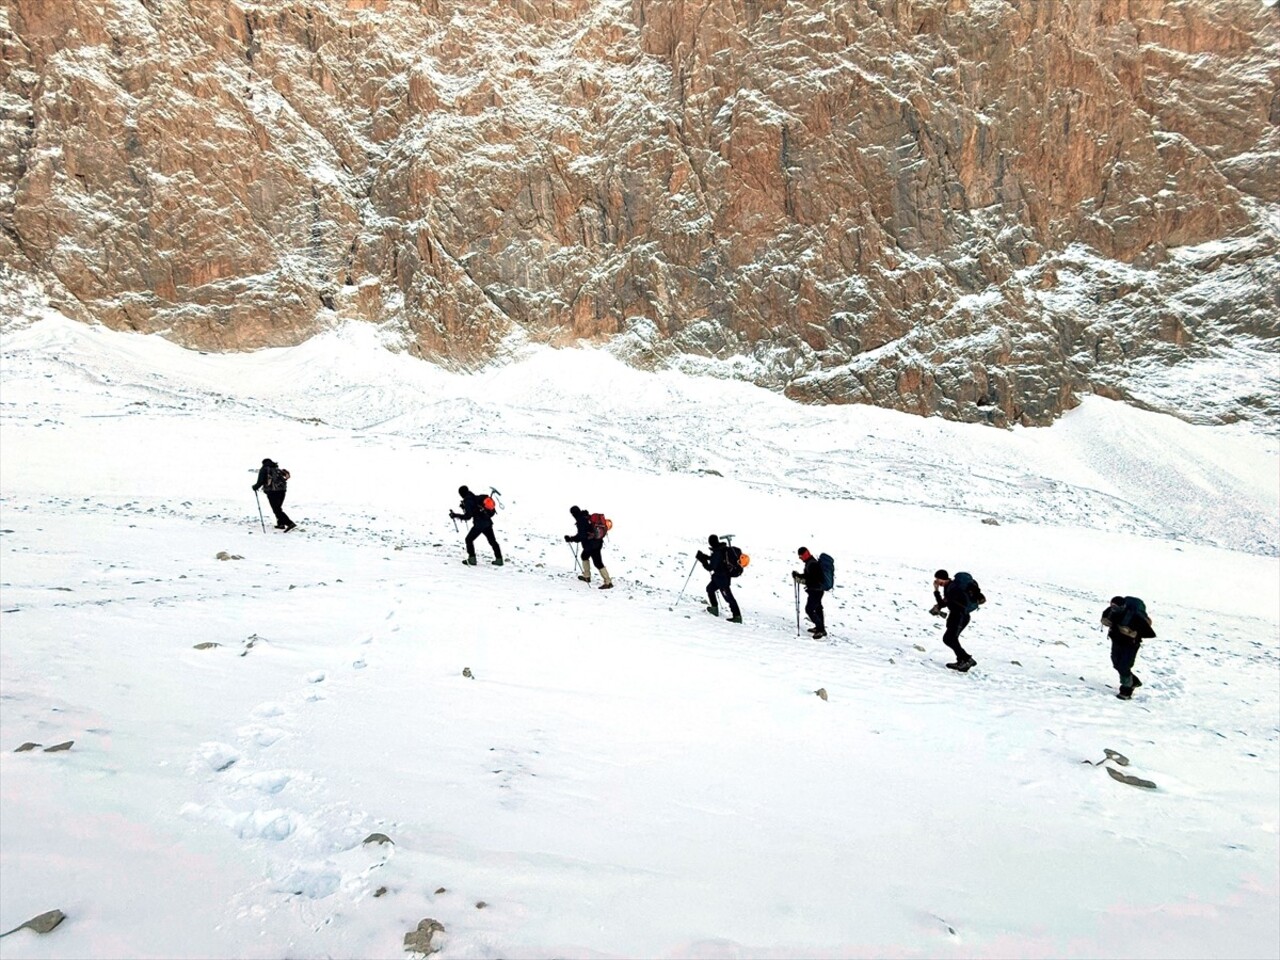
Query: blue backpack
x=972, y=592
x=828, y=571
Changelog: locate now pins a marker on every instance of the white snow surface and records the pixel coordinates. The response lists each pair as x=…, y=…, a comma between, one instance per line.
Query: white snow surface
x=623, y=775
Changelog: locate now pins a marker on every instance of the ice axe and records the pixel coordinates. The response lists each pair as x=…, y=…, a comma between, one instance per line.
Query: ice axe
x=261, y=520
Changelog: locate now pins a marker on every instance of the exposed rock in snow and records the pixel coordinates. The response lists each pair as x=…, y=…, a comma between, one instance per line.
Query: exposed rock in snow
x=1130, y=779
x=419, y=940
x=43, y=923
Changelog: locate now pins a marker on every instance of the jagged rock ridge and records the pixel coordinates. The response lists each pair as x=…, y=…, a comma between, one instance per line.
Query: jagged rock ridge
x=981, y=209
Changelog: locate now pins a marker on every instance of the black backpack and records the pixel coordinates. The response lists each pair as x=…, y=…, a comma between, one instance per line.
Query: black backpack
x=277, y=478
x=1130, y=620
x=733, y=559
x=972, y=592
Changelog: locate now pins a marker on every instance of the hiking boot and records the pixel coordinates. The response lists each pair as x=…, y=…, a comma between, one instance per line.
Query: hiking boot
x=737, y=619
x=584, y=579
x=819, y=634
x=714, y=611
x=953, y=666
x=279, y=526
x=289, y=526
x=1136, y=682
x=607, y=586
x=497, y=563
x=965, y=664
x=1126, y=693
x=470, y=561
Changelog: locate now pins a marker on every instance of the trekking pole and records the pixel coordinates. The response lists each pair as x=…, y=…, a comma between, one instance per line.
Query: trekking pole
x=574, y=551
x=455, y=523
x=260, y=519
x=796, y=583
x=686, y=582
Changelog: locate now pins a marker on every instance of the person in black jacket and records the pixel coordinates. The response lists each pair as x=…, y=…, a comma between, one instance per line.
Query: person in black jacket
x=717, y=564
x=956, y=601
x=275, y=482
x=1126, y=627
x=591, y=547
x=473, y=509
x=814, y=582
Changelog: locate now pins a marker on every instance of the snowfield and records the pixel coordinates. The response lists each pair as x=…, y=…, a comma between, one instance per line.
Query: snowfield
x=621, y=775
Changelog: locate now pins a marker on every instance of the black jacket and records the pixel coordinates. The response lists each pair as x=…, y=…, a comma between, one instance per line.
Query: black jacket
x=814, y=581
x=953, y=597
x=473, y=509
x=718, y=562
x=586, y=530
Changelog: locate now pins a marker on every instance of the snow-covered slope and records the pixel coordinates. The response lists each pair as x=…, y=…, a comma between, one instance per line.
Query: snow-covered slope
x=623, y=775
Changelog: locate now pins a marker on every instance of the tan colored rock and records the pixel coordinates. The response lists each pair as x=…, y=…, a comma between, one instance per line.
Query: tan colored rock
x=420, y=939
x=913, y=203
x=41, y=924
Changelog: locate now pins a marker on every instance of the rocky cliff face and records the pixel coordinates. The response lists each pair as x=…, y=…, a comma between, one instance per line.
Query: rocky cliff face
x=979, y=208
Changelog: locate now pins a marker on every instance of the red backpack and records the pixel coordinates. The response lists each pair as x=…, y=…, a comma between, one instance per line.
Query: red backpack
x=600, y=525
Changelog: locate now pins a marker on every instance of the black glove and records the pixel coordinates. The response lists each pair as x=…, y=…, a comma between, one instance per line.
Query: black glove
x=936, y=610
x=454, y=516
x=567, y=538
x=797, y=576
x=254, y=488
x=700, y=556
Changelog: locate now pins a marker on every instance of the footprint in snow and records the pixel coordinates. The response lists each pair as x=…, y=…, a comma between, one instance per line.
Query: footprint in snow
x=262, y=736
x=264, y=825
x=269, y=709
x=216, y=756
x=314, y=881
x=269, y=782
x=316, y=676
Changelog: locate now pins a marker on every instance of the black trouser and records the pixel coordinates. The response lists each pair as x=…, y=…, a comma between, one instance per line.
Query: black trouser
x=957, y=620
x=488, y=535
x=813, y=609
x=276, y=499
x=720, y=584
x=591, y=551
x=1123, y=654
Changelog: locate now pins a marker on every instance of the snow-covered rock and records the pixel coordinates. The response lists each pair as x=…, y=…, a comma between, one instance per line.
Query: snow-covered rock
x=979, y=209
